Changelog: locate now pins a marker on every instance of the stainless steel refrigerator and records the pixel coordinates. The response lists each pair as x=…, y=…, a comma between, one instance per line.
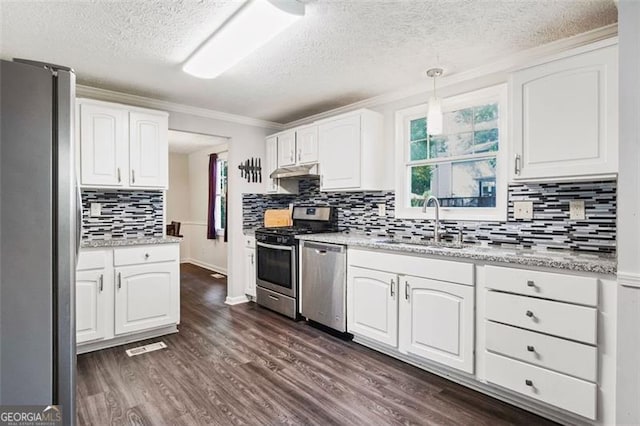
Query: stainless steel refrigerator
x=39, y=236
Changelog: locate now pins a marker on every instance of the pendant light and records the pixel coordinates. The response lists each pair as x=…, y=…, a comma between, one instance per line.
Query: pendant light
x=434, y=114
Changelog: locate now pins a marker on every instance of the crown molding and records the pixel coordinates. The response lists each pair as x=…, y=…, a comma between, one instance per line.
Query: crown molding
x=589, y=40
x=142, y=101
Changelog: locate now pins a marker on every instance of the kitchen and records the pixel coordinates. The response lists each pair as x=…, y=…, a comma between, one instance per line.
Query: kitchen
x=459, y=230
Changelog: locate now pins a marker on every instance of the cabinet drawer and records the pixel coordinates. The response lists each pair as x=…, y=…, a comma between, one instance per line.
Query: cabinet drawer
x=146, y=254
x=553, y=388
x=553, y=353
x=566, y=288
x=93, y=259
x=556, y=318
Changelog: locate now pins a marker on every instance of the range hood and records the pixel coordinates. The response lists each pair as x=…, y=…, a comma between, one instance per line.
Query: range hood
x=295, y=171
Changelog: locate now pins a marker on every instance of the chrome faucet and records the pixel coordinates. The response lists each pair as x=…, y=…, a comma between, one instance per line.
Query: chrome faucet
x=436, y=227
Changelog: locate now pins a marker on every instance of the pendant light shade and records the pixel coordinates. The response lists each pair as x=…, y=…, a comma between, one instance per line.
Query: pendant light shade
x=434, y=113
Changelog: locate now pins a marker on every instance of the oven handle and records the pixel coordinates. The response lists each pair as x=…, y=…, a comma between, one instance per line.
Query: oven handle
x=271, y=246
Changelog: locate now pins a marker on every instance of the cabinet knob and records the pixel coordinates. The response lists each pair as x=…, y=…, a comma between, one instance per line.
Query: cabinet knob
x=528, y=382
x=529, y=314
x=530, y=283
x=146, y=255
x=531, y=348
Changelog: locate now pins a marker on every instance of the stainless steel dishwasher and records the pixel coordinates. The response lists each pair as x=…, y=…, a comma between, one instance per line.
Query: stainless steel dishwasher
x=324, y=284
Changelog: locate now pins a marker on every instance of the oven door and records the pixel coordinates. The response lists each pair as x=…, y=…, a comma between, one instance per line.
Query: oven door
x=276, y=268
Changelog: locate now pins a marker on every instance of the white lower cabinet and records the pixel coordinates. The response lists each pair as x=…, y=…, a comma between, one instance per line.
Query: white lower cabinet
x=146, y=297
x=420, y=316
x=373, y=305
x=126, y=294
x=250, y=266
x=437, y=321
x=90, y=305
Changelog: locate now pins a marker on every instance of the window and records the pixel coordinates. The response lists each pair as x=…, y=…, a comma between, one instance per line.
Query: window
x=221, y=192
x=463, y=167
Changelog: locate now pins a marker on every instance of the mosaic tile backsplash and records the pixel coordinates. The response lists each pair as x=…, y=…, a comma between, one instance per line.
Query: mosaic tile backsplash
x=125, y=214
x=549, y=229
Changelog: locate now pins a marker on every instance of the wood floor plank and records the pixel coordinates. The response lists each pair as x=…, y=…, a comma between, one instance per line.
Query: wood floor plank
x=244, y=365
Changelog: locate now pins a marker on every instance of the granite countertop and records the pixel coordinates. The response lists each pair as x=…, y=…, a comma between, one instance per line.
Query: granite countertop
x=123, y=242
x=561, y=259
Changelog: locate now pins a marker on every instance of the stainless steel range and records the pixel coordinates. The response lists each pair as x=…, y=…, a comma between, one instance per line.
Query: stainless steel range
x=277, y=257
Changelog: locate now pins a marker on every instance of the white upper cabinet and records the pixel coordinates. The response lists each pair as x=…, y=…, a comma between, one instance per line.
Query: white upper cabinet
x=565, y=117
x=437, y=320
x=148, y=149
x=307, y=144
x=351, y=152
x=287, y=149
x=103, y=145
x=275, y=186
x=122, y=146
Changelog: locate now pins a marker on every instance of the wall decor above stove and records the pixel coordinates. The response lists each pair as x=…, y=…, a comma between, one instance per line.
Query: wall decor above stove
x=251, y=170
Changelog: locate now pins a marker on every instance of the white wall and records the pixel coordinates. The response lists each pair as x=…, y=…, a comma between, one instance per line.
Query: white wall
x=628, y=350
x=178, y=196
x=244, y=142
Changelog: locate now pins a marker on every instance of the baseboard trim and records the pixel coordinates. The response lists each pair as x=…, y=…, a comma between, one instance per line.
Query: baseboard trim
x=629, y=279
x=123, y=340
x=236, y=300
x=204, y=265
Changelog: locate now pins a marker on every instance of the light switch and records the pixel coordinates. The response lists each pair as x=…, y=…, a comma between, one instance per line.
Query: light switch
x=576, y=210
x=96, y=209
x=523, y=210
x=382, y=209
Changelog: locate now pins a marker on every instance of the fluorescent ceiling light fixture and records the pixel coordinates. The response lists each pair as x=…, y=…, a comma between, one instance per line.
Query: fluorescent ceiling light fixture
x=434, y=114
x=257, y=22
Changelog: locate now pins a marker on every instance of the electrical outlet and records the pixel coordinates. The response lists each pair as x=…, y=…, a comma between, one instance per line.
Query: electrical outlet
x=523, y=210
x=576, y=210
x=382, y=209
x=96, y=209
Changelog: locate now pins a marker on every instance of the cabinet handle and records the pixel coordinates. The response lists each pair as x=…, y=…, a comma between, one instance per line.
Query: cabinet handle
x=517, y=164
x=529, y=314
x=101, y=280
x=133, y=176
x=146, y=256
x=393, y=284
x=252, y=258
x=406, y=290
x=119, y=280
x=291, y=156
x=118, y=173
x=530, y=283
x=531, y=348
x=528, y=382
x=299, y=154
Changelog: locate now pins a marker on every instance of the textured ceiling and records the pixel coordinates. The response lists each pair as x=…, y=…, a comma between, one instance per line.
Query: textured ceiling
x=342, y=51
x=186, y=143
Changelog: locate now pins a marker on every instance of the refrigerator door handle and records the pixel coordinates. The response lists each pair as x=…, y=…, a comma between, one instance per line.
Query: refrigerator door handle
x=78, y=221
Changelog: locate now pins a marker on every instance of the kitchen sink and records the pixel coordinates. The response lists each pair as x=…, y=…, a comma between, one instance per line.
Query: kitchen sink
x=433, y=244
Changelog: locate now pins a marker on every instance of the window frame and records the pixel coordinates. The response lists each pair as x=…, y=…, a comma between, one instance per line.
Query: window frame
x=403, y=165
x=222, y=157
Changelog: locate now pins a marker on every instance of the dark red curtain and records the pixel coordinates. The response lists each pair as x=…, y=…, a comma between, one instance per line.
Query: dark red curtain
x=226, y=214
x=211, y=216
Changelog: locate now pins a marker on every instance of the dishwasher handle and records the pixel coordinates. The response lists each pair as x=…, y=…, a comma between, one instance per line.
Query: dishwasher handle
x=323, y=248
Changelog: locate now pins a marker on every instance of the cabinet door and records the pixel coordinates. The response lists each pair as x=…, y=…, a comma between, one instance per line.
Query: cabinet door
x=565, y=117
x=90, y=305
x=307, y=145
x=373, y=305
x=437, y=321
x=148, y=150
x=287, y=149
x=103, y=145
x=250, y=271
x=340, y=153
x=271, y=163
x=147, y=296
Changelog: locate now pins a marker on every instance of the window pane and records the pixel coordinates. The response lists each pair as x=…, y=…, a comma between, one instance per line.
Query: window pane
x=438, y=147
x=418, y=150
x=418, y=128
x=460, y=144
x=420, y=184
x=458, y=121
x=485, y=141
x=485, y=117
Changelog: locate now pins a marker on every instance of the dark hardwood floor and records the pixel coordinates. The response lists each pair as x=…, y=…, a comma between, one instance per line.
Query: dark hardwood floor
x=247, y=365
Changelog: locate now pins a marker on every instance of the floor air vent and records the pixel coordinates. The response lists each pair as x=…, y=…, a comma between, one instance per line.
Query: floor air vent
x=146, y=348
